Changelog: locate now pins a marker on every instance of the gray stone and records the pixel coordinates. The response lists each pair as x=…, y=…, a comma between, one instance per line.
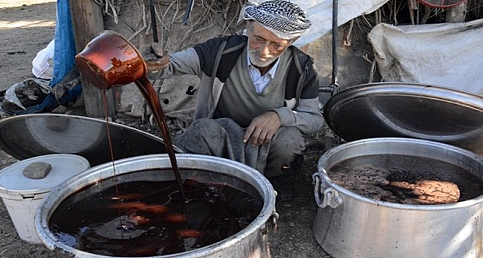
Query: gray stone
x=37, y=170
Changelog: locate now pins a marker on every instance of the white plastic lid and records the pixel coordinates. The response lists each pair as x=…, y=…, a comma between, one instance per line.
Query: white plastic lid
x=13, y=184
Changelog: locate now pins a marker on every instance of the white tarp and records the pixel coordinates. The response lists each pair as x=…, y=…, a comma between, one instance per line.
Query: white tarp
x=319, y=12
x=445, y=54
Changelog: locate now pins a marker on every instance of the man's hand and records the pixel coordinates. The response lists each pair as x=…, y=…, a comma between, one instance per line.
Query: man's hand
x=154, y=56
x=262, y=128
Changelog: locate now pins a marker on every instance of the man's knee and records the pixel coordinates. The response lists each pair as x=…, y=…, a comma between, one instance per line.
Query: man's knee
x=199, y=136
x=202, y=123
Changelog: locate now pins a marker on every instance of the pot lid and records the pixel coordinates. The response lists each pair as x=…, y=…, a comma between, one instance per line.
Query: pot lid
x=407, y=110
x=14, y=184
x=26, y=136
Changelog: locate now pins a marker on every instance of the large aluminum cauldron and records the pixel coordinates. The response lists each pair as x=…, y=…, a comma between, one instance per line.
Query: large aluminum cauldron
x=350, y=225
x=251, y=241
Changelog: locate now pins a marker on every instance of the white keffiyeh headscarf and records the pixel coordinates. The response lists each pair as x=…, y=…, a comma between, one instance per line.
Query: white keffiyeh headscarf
x=285, y=19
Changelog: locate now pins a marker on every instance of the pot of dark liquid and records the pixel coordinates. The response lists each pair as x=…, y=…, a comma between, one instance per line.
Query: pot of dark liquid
x=134, y=210
x=399, y=197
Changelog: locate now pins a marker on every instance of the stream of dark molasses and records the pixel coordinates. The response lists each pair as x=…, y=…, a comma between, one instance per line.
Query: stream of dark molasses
x=147, y=89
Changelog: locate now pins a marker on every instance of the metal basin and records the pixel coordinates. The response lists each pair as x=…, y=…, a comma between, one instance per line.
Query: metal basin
x=27, y=136
x=252, y=241
x=397, y=109
x=350, y=225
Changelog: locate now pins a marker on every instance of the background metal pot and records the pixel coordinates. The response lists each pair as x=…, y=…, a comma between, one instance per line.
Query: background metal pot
x=251, y=241
x=350, y=225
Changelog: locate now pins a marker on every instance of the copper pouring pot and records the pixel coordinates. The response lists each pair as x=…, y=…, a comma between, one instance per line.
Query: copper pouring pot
x=110, y=60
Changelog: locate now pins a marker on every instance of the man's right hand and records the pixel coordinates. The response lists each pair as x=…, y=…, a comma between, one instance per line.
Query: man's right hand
x=154, y=56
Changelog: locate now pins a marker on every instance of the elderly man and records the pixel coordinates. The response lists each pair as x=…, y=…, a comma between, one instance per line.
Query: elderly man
x=258, y=94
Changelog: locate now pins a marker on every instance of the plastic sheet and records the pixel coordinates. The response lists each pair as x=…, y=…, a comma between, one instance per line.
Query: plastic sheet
x=447, y=54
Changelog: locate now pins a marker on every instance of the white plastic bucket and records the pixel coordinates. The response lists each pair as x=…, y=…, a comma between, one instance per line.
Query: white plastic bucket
x=22, y=195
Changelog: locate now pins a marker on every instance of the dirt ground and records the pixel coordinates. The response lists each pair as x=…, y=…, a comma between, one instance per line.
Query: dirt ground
x=26, y=27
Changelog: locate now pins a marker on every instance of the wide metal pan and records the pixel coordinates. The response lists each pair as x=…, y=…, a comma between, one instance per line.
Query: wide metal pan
x=26, y=136
x=407, y=110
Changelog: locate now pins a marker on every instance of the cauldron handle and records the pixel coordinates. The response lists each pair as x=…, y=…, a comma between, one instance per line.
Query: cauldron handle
x=330, y=196
x=271, y=223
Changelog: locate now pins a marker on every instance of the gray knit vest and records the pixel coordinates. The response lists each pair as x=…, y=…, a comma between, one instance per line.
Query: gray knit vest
x=239, y=100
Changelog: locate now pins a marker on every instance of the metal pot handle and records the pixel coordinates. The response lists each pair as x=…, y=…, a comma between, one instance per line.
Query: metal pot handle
x=271, y=223
x=331, y=197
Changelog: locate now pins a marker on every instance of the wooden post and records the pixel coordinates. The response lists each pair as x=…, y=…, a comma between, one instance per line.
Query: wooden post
x=88, y=23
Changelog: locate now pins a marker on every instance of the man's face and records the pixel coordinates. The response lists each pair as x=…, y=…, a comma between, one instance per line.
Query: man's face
x=264, y=47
